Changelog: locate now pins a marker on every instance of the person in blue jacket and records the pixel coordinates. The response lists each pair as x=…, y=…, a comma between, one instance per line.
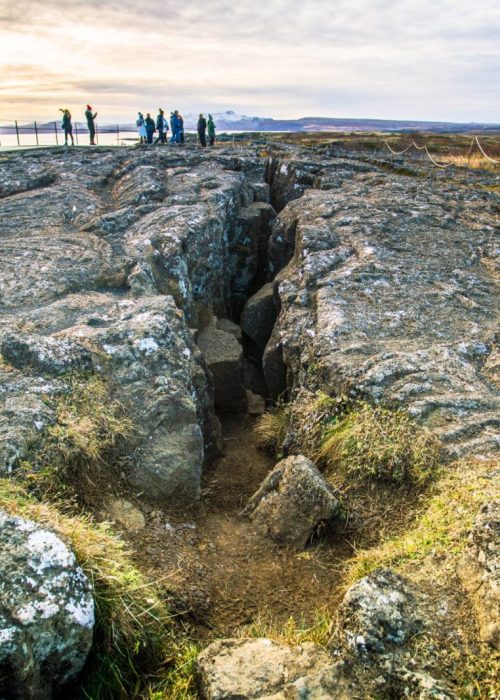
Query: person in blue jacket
x=175, y=124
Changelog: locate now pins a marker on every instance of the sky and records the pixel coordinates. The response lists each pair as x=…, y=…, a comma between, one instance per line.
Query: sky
x=403, y=59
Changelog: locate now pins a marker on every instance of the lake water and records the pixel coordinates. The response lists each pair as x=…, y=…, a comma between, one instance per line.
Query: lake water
x=28, y=138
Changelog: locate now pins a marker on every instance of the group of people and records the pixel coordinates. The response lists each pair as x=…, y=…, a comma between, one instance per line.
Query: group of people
x=147, y=127
x=67, y=125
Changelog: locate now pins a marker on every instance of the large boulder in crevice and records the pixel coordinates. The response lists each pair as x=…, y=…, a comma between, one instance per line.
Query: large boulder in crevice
x=46, y=611
x=223, y=355
x=259, y=316
x=291, y=502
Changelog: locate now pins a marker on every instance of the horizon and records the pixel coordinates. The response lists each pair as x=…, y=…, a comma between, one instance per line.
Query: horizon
x=364, y=57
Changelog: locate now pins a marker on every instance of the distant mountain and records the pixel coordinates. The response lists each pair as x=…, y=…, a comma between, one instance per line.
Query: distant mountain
x=229, y=120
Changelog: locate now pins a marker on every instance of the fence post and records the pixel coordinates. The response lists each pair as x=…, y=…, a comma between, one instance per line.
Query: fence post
x=76, y=132
x=17, y=133
x=117, y=135
x=36, y=133
x=55, y=130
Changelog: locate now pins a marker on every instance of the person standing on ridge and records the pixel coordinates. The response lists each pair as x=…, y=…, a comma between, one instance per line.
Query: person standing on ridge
x=202, y=128
x=174, y=121
x=181, y=128
x=91, y=124
x=160, y=122
x=211, y=130
x=149, y=123
x=67, y=126
x=141, y=128
x=165, y=127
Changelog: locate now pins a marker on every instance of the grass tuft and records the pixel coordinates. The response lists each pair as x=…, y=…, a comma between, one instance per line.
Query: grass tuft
x=292, y=631
x=378, y=443
x=271, y=429
x=442, y=528
x=88, y=438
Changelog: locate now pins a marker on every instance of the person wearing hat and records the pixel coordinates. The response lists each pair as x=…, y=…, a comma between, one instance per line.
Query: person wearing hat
x=90, y=124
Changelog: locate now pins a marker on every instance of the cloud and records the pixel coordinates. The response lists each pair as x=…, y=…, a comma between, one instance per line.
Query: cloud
x=435, y=59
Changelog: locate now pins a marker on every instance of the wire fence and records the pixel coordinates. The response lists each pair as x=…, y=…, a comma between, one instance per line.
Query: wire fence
x=30, y=134
x=39, y=133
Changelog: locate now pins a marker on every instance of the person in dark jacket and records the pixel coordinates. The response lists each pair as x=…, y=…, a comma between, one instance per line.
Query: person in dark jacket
x=91, y=124
x=202, y=129
x=150, y=127
x=211, y=130
x=161, y=127
x=67, y=126
x=181, y=128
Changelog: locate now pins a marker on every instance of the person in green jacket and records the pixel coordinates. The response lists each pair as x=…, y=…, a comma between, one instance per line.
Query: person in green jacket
x=211, y=130
x=67, y=126
x=91, y=124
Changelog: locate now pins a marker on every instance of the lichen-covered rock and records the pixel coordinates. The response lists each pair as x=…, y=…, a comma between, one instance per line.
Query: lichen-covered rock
x=379, y=611
x=46, y=611
x=250, y=669
x=24, y=414
x=292, y=501
x=45, y=354
x=480, y=571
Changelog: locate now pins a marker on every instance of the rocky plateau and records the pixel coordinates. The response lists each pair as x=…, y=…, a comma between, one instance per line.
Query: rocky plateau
x=205, y=285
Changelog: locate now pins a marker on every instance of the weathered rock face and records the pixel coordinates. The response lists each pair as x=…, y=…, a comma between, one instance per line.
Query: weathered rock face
x=110, y=256
x=46, y=611
x=480, y=571
x=292, y=501
x=260, y=668
x=392, y=291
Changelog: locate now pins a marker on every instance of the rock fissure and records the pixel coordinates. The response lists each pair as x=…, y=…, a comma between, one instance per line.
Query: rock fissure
x=202, y=287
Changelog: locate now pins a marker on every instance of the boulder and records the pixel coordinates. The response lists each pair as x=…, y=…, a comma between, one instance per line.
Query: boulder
x=223, y=355
x=46, y=611
x=259, y=316
x=260, y=668
x=291, y=502
x=480, y=571
x=379, y=611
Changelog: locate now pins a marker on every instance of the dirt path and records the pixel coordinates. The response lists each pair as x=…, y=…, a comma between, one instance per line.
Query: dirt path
x=226, y=575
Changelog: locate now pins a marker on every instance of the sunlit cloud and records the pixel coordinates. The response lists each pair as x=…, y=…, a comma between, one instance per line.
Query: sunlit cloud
x=436, y=59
